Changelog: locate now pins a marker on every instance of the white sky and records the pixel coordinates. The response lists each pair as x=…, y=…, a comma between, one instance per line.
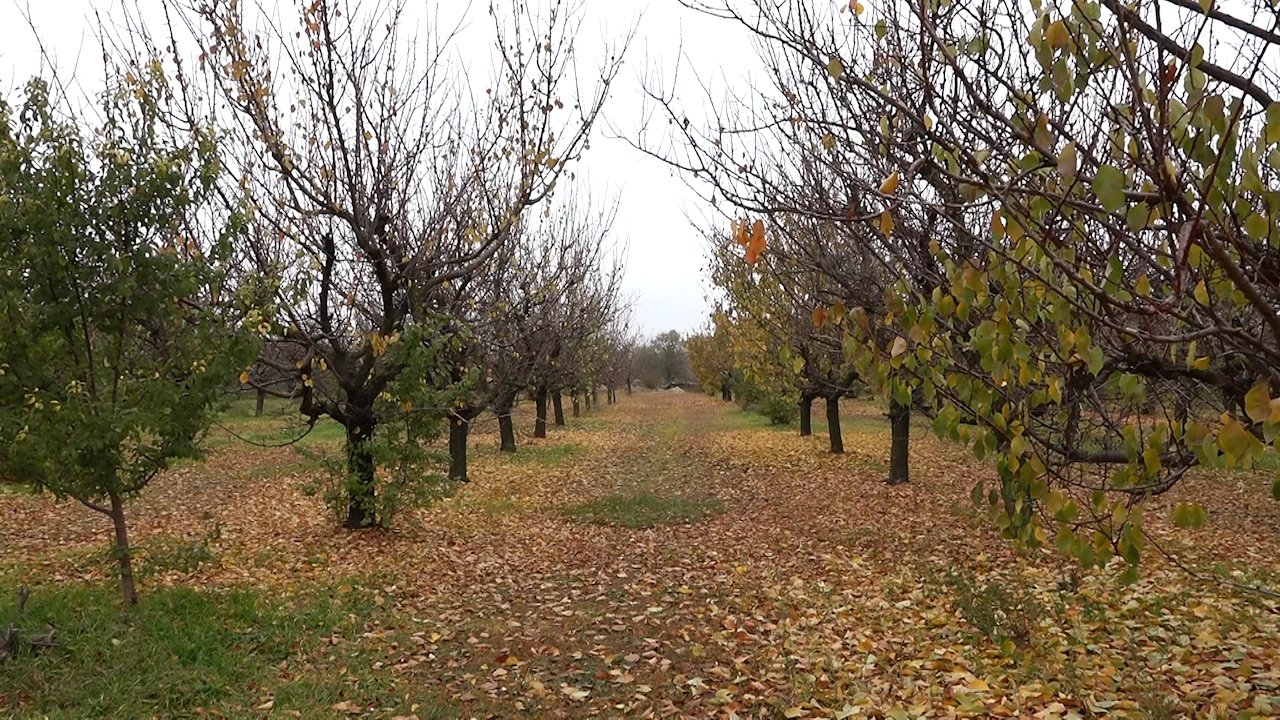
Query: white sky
x=665, y=250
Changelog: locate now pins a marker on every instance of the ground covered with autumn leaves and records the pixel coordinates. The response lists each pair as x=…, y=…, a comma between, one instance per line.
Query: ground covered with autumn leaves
x=669, y=556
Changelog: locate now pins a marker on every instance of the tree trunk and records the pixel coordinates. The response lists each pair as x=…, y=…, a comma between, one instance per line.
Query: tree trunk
x=459, y=427
x=833, y=424
x=612, y=394
x=123, y=553
x=362, y=511
x=900, y=426
x=595, y=396
x=262, y=400
x=557, y=404
x=806, y=415
x=628, y=386
x=577, y=406
x=540, y=416
x=586, y=398
x=506, y=434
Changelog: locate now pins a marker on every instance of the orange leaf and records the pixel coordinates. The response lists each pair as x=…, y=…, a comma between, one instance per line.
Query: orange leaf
x=757, y=242
x=819, y=317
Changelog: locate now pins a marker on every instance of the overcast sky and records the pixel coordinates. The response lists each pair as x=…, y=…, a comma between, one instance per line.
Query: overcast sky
x=658, y=216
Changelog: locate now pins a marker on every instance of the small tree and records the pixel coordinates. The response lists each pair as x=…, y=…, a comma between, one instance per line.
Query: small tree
x=113, y=333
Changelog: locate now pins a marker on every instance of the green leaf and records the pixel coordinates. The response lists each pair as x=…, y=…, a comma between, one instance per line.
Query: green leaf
x=882, y=29
x=1108, y=185
x=1189, y=515
x=1257, y=226
x=1096, y=359
x=1273, y=123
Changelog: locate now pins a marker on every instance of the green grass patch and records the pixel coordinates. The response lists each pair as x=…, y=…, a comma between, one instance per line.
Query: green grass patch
x=280, y=423
x=644, y=510
x=545, y=455
x=184, y=652
x=748, y=420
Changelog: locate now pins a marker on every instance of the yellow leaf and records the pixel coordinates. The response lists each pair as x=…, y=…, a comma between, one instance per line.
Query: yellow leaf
x=1057, y=34
x=1201, y=293
x=899, y=346
x=1257, y=403
x=835, y=67
x=1143, y=285
x=244, y=377
x=979, y=685
x=890, y=183
x=886, y=222
x=1068, y=161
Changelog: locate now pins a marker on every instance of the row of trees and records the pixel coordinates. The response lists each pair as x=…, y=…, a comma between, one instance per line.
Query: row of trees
x=322, y=204
x=1048, y=226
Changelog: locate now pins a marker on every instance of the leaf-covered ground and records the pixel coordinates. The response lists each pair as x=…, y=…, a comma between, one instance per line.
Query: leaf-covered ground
x=672, y=557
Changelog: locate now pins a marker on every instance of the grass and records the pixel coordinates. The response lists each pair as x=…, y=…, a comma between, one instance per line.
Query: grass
x=644, y=510
x=185, y=652
x=544, y=455
x=748, y=420
x=279, y=424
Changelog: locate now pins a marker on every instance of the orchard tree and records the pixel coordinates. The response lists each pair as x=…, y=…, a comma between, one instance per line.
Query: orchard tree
x=1078, y=203
x=569, y=333
x=539, y=295
x=117, y=326
x=800, y=184
x=381, y=175
x=711, y=356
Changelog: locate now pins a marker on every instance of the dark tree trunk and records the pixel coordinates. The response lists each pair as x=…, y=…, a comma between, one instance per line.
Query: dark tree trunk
x=506, y=428
x=611, y=395
x=540, y=416
x=577, y=406
x=900, y=426
x=262, y=401
x=459, y=428
x=806, y=415
x=595, y=395
x=628, y=386
x=586, y=399
x=362, y=511
x=123, y=553
x=557, y=404
x=833, y=424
